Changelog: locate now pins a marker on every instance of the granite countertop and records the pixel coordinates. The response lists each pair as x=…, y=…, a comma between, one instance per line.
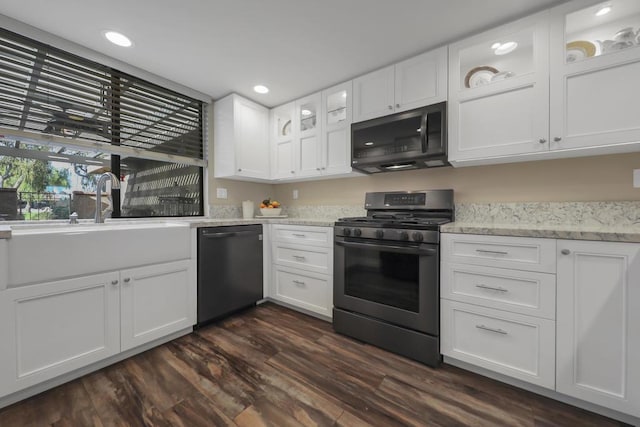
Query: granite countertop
x=610, y=233
x=5, y=230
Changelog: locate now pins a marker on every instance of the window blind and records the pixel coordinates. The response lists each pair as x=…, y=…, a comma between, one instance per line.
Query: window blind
x=48, y=92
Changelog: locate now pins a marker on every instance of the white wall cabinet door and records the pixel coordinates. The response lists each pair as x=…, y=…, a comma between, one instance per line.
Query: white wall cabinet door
x=336, y=129
x=499, y=99
x=241, y=139
x=421, y=80
x=282, y=141
x=373, y=94
x=594, y=95
x=53, y=328
x=307, y=130
x=598, y=323
x=155, y=302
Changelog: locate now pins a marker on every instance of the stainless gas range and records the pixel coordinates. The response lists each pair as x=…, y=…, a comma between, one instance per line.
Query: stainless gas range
x=387, y=275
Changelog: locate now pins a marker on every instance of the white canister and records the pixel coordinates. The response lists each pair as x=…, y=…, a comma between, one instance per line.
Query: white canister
x=247, y=209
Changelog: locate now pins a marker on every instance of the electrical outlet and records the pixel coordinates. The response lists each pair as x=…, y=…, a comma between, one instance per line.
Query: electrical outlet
x=221, y=193
x=295, y=194
x=636, y=178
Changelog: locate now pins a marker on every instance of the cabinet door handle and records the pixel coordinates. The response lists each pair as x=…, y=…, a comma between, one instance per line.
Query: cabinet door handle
x=299, y=235
x=299, y=257
x=298, y=283
x=114, y=282
x=317, y=169
x=390, y=107
x=293, y=171
x=481, y=286
x=565, y=252
x=485, y=251
x=497, y=331
x=239, y=169
x=397, y=105
x=557, y=139
x=127, y=279
x=542, y=141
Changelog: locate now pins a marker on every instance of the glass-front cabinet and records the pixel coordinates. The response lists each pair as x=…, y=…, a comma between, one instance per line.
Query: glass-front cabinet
x=595, y=64
x=499, y=91
x=282, y=137
x=307, y=132
x=336, y=132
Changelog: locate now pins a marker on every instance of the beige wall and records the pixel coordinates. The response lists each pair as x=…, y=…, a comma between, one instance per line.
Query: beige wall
x=237, y=191
x=579, y=179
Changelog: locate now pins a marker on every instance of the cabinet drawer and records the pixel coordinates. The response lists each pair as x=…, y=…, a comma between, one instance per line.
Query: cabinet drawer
x=303, y=289
x=313, y=236
x=524, y=292
x=519, y=346
x=520, y=253
x=304, y=257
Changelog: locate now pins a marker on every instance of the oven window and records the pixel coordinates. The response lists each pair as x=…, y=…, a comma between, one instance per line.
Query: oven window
x=383, y=277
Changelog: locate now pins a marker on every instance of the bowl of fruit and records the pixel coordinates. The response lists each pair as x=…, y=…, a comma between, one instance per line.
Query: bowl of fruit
x=270, y=207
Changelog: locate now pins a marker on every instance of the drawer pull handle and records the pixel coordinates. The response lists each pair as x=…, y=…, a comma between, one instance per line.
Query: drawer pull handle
x=114, y=282
x=497, y=331
x=484, y=251
x=298, y=283
x=481, y=286
x=299, y=257
x=299, y=235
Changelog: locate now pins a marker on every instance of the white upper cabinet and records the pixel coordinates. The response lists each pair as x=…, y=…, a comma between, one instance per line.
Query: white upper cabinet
x=415, y=82
x=282, y=137
x=241, y=139
x=307, y=127
x=499, y=91
x=336, y=129
x=595, y=64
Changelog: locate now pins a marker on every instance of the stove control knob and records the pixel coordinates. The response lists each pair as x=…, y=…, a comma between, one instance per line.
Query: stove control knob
x=357, y=232
x=379, y=234
x=417, y=236
x=404, y=235
x=346, y=231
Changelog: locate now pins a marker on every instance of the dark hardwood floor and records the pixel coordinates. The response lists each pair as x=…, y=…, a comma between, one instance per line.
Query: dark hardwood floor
x=271, y=366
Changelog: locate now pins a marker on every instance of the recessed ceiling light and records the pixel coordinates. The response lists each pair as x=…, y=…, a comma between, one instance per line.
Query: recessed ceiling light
x=495, y=45
x=603, y=10
x=368, y=143
x=305, y=112
x=261, y=89
x=505, y=48
x=118, y=39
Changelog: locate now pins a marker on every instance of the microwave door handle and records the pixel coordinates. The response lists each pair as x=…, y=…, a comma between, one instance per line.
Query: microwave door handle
x=388, y=248
x=424, y=133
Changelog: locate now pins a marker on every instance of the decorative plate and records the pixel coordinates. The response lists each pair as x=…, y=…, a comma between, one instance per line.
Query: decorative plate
x=579, y=50
x=479, y=76
x=502, y=75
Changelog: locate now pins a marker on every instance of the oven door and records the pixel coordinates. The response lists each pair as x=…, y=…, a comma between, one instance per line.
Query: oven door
x=390, y=281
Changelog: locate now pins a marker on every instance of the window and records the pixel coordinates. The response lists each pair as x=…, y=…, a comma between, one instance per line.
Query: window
x=70, y=119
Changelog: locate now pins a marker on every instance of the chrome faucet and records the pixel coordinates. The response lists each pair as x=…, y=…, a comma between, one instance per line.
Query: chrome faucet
x=115, y=183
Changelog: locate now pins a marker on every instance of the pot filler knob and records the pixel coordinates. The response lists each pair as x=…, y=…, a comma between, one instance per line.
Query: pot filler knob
x=346, y=231
x=379, y=234
x=357, y=232
x=418, y=237
x=404, y=235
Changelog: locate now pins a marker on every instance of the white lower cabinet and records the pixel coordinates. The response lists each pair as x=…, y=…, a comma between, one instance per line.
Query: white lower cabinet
x=155, y=302
x=53, y=328
x=520, y=346
x=303, y=289
x=599, y=323
x=498, y=304
x=302, y=267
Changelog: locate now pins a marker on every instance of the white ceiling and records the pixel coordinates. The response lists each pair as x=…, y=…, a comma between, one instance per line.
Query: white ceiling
x=295, y=47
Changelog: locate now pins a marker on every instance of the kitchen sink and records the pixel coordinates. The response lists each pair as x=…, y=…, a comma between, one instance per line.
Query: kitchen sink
x=45, y=252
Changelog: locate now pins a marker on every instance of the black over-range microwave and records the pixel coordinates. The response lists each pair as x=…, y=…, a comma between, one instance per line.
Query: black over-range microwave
x=412, y=139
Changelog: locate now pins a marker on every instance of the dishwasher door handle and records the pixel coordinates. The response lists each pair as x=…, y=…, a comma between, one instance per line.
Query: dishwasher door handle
x=229, y=234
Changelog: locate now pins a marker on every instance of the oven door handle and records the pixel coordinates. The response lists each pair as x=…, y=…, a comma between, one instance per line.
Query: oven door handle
x=388, y=248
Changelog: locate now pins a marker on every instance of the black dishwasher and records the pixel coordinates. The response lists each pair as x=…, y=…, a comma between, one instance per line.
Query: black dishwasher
x=229, y=270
